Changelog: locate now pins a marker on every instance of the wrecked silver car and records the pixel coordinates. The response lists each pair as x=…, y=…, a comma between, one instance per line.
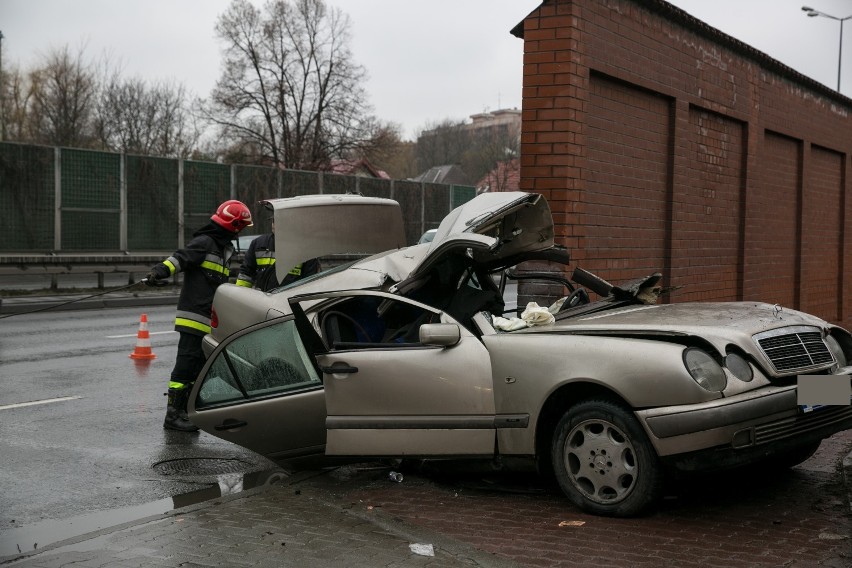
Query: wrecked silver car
x=411, y=353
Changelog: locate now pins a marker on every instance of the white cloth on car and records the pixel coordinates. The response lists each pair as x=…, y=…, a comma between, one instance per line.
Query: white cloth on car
x=536, y=315
x=508, y=324
x=533, y=315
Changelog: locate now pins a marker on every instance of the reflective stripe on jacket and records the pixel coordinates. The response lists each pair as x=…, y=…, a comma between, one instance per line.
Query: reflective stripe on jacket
x=258, y=268
x=204, y=263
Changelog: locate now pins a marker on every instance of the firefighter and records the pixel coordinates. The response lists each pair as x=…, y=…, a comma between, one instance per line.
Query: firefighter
x=204, y=262
x=258, y=268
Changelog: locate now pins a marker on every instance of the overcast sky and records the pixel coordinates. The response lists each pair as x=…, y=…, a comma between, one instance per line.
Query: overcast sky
x=427, y=59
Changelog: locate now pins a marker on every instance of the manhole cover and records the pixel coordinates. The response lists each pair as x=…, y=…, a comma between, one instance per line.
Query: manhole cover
x=200, y=466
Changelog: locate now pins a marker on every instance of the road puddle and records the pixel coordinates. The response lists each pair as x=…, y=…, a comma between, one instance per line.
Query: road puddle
x=42, y=535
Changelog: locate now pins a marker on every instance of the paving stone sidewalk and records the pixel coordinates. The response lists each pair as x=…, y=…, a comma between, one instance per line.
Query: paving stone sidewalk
x=295, y=523
x=353, y=516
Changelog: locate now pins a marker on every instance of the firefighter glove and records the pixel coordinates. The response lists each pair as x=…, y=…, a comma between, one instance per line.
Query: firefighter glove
x=152, y=279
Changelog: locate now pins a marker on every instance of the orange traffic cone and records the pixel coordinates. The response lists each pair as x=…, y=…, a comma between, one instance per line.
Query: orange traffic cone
x=143, y=341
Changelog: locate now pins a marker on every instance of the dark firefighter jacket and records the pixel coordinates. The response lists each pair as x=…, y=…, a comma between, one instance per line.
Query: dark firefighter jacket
x=204, y=263
x=258, y=268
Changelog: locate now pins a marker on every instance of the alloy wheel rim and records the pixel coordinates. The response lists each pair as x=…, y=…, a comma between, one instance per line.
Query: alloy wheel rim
x=601, y=462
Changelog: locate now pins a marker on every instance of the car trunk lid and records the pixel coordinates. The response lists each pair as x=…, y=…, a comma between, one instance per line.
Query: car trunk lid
x=313, y=226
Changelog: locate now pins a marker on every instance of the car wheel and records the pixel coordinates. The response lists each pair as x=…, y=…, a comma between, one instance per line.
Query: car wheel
x=603, y=461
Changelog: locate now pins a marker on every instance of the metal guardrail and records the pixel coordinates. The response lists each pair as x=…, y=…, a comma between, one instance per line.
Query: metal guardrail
x=134, y=265
x=54, y=265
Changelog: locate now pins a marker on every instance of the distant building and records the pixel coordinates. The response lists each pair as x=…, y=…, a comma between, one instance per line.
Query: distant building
x=499, y=121
x=362, y=168
x=505, y=119
x=447, y=174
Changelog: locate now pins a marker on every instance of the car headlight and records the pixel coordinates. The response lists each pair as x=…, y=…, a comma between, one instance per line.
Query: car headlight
x=705, y=370
x=836, y=350
x=739, y=367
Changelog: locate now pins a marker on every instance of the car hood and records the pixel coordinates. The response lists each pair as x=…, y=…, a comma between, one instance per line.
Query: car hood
x=721, y=324
x=492, y=226
x=692, y=318
x=312, y=226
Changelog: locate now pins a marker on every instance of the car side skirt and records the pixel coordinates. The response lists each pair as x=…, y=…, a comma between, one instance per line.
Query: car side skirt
x=385, y=442
x=427, y=422
x=431, y=435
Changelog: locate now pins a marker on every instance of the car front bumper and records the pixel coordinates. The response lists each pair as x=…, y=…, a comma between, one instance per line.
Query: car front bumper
x=751, y=424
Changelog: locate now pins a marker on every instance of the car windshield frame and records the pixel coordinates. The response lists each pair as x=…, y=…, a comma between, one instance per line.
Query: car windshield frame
x=314, y=277
x=248, y=240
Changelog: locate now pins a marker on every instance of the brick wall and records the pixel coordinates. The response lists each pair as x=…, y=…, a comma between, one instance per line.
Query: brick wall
x=664, y=145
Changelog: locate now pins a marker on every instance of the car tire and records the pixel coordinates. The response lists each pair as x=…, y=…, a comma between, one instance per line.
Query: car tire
x=603, y=460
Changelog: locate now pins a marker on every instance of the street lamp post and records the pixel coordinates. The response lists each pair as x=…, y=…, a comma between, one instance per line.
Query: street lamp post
x=814, y=13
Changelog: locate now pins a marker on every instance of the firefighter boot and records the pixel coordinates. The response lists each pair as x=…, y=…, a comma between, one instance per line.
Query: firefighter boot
x=176, y=418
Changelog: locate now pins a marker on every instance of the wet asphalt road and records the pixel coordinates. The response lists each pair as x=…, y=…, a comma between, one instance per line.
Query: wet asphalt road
x=94, y=440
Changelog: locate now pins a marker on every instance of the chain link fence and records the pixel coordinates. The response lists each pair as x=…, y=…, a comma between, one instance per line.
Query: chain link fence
x=77, y=201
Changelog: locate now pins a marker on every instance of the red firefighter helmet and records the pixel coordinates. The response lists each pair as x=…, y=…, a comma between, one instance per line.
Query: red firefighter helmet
x=233, y=215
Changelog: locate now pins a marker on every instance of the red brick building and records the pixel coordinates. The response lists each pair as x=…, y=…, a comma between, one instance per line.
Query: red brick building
x=663, y=144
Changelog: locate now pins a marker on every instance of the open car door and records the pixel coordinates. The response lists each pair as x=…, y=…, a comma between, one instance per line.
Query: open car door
x=401, y=378
x=259, y=390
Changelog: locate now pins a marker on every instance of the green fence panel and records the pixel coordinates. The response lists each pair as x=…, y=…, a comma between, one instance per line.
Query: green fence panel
x=436, y=204
x=297, y=182
x=372, y=187
x=254, y=184
x=28, y=187
x=409, y=196
x=152, y=204
x=90, y=231
x=338, y=184
x=205, y=186
x=91, y=200
x=90, y=208
x=461, y=194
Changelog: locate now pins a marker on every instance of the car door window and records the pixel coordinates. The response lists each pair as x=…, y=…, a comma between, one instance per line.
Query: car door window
x=366, y=322
x=265, y=362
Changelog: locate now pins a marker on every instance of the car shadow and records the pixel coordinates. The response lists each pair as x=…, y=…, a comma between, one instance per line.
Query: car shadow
x=684, y=495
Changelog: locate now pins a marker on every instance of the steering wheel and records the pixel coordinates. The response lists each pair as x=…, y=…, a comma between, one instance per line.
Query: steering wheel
x=348, y=318
x=575, y=298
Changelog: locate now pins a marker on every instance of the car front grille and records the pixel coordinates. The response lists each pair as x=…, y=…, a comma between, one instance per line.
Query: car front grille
x=801, y=423
x=798, y=351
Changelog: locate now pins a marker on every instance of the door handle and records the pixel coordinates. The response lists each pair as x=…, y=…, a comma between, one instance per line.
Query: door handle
x=338, y=370
x=230, y=424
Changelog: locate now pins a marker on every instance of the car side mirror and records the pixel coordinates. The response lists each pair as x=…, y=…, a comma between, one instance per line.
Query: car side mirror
x=440, y=334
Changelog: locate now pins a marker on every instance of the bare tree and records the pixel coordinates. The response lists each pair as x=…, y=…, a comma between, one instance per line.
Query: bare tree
x=63, y=90
x=135, y=118
x=478, y=150
x=289, y=85
x=386, y=150
x=17, y=102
